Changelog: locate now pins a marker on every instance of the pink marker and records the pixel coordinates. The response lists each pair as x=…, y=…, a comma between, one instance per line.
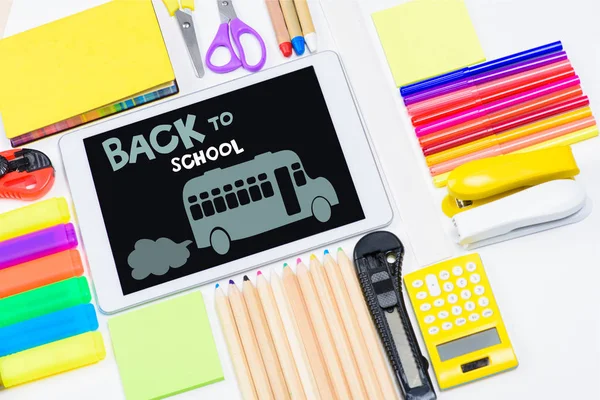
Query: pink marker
x=482, y=111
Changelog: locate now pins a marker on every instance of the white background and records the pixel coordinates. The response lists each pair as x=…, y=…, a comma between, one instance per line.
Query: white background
x=546, y=284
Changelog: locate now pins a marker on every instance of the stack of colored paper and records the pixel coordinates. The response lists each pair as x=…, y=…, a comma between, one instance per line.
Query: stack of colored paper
x=523, y=102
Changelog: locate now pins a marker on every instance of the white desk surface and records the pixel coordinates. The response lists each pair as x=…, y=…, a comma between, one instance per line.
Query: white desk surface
x=545, y=284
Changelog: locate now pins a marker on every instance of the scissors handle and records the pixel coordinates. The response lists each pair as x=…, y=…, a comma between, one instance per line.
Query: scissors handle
x=222, y=40
x=239, y=28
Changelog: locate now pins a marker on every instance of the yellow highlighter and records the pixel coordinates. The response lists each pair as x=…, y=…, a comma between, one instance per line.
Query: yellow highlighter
x=482, y=181
x=34, y=217
x=51, y=359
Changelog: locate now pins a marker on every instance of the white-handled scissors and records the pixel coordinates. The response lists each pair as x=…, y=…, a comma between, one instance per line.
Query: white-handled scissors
x=182, y=10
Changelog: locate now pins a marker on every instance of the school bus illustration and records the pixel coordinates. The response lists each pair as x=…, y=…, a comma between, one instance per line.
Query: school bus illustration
x=270, y=191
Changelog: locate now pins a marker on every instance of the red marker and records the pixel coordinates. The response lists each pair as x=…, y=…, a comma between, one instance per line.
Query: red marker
x=281, y=32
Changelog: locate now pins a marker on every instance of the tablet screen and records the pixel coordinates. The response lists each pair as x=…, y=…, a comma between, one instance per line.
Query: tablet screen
x=221, y=179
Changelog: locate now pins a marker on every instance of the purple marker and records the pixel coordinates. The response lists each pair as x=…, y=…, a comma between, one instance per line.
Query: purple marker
x=36, y=245
x=486, y=77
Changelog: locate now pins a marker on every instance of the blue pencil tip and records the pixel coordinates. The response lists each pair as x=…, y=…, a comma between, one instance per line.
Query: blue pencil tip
x=326, y=252
x=298, y=45
x=217, y=286
x=231, y=282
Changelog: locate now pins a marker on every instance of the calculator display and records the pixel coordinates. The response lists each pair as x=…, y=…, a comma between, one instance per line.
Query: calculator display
x=468, y=344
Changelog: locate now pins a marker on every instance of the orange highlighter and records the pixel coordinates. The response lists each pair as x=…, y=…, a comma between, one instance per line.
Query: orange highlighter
x=506, y=147
x=40, y=272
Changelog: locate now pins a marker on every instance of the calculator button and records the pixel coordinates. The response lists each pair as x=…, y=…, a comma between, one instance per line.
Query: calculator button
x=452, y=298
x=457, y=271
x=443, y=314
x=433, y=285
x=421, y=295
x=456, y=310
x=487, y=313
x=425, y=307
x=465, y=294
x=473, y=317
x=469, y=306
x=479, y=290
x=483, y=301
x=429, y=319
x=461, y=282
x=460, y=321
x=434, y=330
x=444, y=275
x=471, y=266
x=448, y=286
x=438, y=302
x=446, y=325
x=417, y=284
x=475, y=278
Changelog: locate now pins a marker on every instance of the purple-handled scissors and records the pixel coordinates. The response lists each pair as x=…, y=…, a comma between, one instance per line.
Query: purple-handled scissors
x=230, y=21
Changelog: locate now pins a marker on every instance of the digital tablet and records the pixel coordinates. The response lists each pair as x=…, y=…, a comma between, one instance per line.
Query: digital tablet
x=224, y=180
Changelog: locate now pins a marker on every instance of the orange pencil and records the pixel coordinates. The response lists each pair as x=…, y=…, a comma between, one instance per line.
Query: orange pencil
x=43, y=271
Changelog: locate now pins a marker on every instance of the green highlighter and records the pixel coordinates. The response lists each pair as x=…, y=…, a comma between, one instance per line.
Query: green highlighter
x=44, y=300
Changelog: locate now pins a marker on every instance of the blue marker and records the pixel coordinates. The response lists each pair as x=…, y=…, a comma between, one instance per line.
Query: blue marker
x=480, y=68
x=47, y=329
x=298, y=45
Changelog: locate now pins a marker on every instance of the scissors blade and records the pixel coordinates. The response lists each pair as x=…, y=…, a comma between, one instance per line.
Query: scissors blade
x=226, y=10
x=186, y=24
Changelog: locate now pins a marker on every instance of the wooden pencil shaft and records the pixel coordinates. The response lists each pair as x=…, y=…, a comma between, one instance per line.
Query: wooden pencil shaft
x=304, y=16
x=278, y=21
x=291, y=18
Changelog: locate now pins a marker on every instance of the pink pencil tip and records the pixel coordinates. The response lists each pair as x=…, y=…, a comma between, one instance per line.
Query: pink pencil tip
x=258, y=273
x=299, y=260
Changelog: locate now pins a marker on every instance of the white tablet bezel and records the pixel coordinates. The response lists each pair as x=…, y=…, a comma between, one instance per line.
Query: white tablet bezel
x=351, y=134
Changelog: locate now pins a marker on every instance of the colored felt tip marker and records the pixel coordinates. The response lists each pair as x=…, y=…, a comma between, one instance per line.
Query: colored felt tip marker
x=281, y=33
x=299, y=45
x=306, y=22
x=293, y=25
x=481, y=68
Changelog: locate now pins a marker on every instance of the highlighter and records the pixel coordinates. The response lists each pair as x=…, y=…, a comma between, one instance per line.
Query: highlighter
x=41, y=272
x=566, y=140
x=501, y=147
x=432, y=144
x=516, y=133
x=34, y=217
x=47, y=329
x=36, y=245
x=444, y=106
x=51, y=359
x=480, y=68
x=496, y=106
x=44, y=300
x=487, y=77
x=511, y=113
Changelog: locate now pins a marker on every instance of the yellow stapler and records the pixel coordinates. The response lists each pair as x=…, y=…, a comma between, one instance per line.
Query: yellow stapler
x=483, y=181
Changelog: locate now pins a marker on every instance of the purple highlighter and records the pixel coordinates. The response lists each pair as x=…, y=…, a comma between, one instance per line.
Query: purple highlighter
x=486, y=77
x=36, y=245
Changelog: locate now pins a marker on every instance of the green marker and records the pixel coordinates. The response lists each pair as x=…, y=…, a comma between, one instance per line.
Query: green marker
x=44, y=300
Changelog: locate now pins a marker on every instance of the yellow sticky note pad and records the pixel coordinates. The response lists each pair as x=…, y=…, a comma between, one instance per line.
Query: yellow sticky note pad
x=165, y=349
x=426, y=38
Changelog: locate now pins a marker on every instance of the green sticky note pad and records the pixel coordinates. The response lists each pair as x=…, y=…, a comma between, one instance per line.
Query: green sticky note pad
x=425, y=38
x=165, y=349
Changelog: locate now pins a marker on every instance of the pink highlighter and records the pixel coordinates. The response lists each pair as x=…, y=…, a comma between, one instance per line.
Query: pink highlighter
x=484, y=110
x=444, y=106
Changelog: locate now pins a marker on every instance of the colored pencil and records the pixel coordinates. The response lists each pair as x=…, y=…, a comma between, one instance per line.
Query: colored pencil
x=249, y=343
x=281, y=33
x=341, y=342
x=280, y=341
x=435, y=143
x=519, y=132
x=293, y=25
x=486, y=77
x=565, y=140
x=366, y=323
x=322, y=332
x=437, y=108
x=293, y=334
x=264, y=339
x=307, y=333
x=308, y=28
x=480, y=68
x=234, y=345
x=359, y=347
x=497, y=106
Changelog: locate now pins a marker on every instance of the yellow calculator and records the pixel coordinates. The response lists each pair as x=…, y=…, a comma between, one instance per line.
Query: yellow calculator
x=460, y=321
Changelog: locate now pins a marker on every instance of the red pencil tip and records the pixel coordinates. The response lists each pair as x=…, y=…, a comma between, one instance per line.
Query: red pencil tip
x=286, y=49
x=258, y=273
